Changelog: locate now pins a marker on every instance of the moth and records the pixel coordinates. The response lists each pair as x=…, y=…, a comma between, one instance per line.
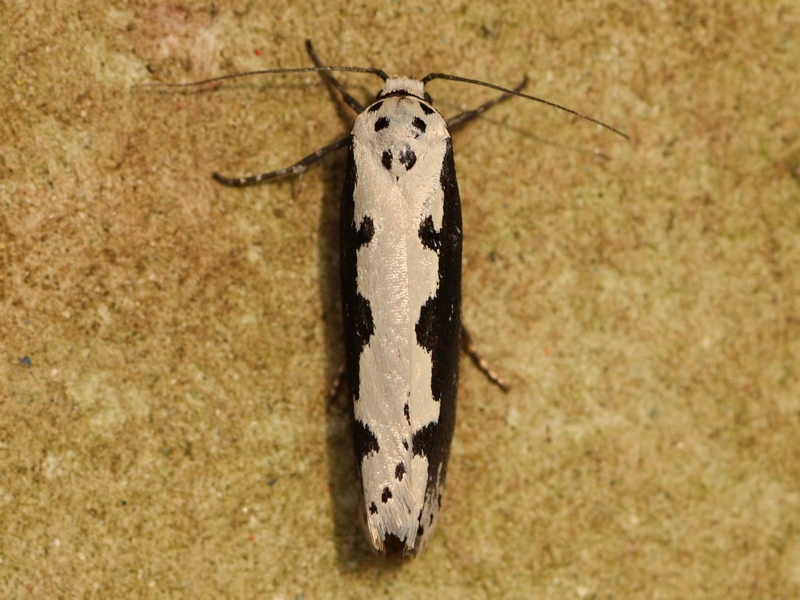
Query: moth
x=400, y=264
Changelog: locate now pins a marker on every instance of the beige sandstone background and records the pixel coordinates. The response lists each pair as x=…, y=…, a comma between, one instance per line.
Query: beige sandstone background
x=166, y=344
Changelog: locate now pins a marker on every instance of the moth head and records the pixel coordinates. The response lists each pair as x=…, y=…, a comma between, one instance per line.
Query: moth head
x=404, y=86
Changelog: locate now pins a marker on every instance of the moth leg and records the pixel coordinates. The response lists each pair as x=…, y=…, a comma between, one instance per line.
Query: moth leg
x=336, y=385
x=480, y=362
x=349, y=100
x=295, y=169
x=471, y=114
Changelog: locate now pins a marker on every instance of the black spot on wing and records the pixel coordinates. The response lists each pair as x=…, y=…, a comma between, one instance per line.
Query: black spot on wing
x=428, y=235
x=364, y=440
x=386, y=159
x=407, y=158
x=365, y=232
x=426, y=439
x=407, y=414
x=399, y=471
x=358, y=321
x=419, y=125
x=394, y=545
x=381, y=123
x=376, y=106
x=426, y=109
x=386, y=495
x=373, y=510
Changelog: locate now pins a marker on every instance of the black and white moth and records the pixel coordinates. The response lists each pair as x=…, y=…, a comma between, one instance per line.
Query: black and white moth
x=400, y=238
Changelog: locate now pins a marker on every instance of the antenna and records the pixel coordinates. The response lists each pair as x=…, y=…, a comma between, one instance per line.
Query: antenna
x=432, y=76
x=377, y=72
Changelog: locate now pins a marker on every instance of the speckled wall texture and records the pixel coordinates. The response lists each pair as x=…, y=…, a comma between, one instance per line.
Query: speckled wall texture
x=166, y=344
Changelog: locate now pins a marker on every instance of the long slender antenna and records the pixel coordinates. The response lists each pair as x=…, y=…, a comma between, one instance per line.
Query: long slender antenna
x=432, y=76
x=377, y=72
